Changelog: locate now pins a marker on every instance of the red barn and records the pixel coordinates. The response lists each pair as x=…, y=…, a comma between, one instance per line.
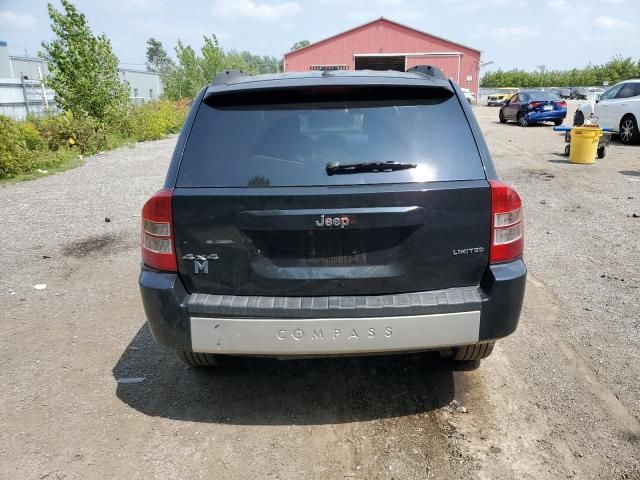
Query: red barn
x=386, y=45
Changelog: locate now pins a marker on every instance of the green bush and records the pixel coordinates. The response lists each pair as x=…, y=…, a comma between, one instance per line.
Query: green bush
x=155, y=120
x=82, y=133
x=32, y=138
x=23, y=150
x=48, y=142
x=14, y=154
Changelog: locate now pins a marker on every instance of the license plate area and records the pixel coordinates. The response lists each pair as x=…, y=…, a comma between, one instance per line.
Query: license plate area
x=316, y=248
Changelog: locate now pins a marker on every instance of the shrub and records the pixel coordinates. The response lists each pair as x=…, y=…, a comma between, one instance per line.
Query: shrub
x=22, y=150
x=32, y=138
x=83, y=133
x=47, y=142
x=14, y=154
x=155, y=120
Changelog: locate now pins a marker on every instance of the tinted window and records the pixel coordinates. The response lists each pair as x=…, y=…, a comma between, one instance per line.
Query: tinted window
x=543, y=96
x=628, y=90
x=612, y=92
x=291, y=144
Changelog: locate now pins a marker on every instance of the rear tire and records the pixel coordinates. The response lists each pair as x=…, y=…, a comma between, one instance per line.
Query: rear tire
x=473, y=352
x=629, y=133
x=558, y=121
x=578, y=118
x=501, y=117
x=197, y=360
x=522, y=120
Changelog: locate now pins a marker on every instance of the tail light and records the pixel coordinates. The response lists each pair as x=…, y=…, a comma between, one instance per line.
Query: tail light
x=561, y=104
x=533, y=105
x=157, y=233
x=507, y=223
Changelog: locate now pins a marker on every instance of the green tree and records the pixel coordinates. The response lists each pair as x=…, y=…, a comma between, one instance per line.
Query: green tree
x=192, y=72
x=157, y=58
x=258, y=64
x=186, y=78
x=616, y=70
x=83, y=68
x=298, y=45
x=213, y=59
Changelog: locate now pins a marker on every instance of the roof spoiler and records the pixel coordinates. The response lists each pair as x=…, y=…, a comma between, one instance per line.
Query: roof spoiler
x=428, y=71
x=227, y=76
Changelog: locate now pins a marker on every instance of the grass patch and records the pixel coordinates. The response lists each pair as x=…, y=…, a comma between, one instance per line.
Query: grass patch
x=67, y=162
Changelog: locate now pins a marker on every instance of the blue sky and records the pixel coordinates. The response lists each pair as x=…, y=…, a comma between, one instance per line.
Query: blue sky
x=511, y=33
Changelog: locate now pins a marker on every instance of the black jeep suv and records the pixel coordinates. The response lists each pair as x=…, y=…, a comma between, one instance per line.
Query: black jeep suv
x=332, y=213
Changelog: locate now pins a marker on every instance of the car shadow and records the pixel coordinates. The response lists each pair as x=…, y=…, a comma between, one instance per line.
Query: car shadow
x=513, y=123
x=264, y=391
x=563, y=158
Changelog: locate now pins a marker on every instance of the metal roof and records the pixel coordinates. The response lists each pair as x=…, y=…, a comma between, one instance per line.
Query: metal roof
x=385, y=20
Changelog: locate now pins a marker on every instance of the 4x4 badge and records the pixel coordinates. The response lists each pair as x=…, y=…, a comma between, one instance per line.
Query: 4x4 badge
x=200, y=262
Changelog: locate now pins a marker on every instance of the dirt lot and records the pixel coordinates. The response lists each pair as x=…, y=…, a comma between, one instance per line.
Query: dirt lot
x=558, y=399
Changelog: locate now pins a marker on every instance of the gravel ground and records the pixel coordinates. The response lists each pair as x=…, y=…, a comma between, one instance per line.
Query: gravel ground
x=558, y=399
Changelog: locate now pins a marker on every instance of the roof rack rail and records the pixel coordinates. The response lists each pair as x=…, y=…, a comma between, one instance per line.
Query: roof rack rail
x=428, y=71
x=227, y=75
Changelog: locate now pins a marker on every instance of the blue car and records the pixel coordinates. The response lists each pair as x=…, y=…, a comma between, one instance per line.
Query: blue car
x=529, y=107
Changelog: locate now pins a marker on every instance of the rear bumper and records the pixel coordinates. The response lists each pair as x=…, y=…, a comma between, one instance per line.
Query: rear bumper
x=332, y=336
x=546, y=116
x=280, y=326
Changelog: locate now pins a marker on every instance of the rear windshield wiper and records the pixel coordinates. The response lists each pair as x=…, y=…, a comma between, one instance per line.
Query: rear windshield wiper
x=334, y=168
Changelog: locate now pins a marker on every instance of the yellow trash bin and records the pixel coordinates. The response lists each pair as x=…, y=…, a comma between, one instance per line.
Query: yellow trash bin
x=584, y=144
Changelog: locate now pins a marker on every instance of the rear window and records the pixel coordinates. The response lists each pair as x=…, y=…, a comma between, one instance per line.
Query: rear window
x=290, y=144
x=543, y=96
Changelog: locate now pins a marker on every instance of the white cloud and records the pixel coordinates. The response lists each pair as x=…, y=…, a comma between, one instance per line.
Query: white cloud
x=610, y=23
x=260, y=11
x=558, y=5
x=367, y=15
x=9, y=18
x=132, y=5
x=512, y=32
x=460, y=6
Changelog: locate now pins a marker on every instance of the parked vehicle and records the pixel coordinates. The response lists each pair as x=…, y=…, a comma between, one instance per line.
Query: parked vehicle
x=314, y=214
x=618, y=109
x=469, y=95
x=529, y=107
x=500, y=96
x=594, y=93
x=579, y=93
x=564, y=93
